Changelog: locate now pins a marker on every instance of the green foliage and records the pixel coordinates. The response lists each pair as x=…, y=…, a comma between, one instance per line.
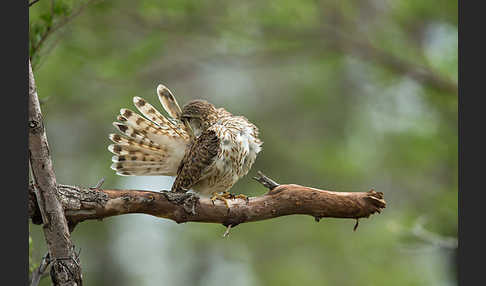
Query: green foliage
x=32, y=264
x=45, y=19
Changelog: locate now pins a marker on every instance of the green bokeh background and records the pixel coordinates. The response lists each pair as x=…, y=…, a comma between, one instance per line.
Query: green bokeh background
x=348, y=95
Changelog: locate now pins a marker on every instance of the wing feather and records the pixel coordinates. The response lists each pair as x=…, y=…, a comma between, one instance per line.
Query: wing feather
x=197, y=161
x=168, y=101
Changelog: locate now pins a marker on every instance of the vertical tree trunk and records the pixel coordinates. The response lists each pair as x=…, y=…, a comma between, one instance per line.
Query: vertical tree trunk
x=65, y=268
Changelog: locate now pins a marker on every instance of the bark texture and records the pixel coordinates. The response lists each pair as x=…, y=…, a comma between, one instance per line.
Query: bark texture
x=65, y=269
x=89, y=203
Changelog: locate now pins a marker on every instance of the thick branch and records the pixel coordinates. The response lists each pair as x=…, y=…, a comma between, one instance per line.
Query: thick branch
x=65, y=269
x=88, y=203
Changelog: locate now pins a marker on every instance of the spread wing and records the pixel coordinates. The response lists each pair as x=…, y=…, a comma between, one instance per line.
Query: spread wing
x=197, y=161
x=150, y=144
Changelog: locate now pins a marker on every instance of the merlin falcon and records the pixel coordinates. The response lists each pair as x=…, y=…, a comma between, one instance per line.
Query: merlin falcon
x=208, y=149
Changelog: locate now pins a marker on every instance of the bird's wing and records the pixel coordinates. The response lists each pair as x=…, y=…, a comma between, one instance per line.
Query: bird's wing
x=198, y=159
x=149, y=144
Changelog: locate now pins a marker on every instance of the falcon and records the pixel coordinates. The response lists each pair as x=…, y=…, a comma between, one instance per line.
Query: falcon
x=208, y=149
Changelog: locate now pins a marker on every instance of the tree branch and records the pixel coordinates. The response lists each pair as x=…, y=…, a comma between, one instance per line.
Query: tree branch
x=65, y=269
x=90, y=203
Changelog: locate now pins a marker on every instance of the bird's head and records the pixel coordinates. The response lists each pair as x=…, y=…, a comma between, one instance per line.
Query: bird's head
x=199, y=115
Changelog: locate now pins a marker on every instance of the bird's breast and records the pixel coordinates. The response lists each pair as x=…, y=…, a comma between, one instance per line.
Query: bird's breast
x=238, y=151
x=239, y=147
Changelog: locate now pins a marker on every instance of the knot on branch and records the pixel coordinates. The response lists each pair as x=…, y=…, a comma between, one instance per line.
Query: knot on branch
x=73, y=197
x=66, y=271
x=187, y=200
x=35, y=127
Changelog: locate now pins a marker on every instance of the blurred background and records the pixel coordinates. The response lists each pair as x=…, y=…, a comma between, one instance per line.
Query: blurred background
x=348, y=95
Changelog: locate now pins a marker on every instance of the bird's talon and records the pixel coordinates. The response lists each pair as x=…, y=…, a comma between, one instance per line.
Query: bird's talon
x=226, y=196
x=243, y=197
x=222, y=197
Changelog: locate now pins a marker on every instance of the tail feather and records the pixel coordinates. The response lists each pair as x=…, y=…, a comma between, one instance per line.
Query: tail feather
x=133, y=149
x=140, y=169
x=124, y=141
x=137, y=157
x=140, y=173
x=131, y=164
x=150, y=145
x=168, y=101
x=154, y=115
x=141, y=124
x=134, y=134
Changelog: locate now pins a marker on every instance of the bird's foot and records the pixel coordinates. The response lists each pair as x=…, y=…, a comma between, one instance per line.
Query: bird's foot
x=224, y=196
x=241, y=196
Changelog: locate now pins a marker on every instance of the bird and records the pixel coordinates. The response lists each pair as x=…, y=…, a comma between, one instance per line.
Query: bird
x=207, y=148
